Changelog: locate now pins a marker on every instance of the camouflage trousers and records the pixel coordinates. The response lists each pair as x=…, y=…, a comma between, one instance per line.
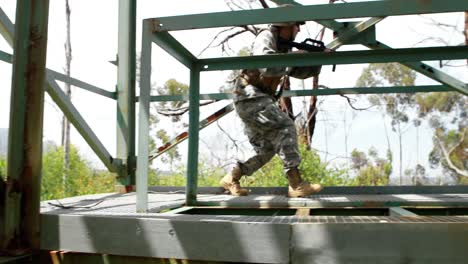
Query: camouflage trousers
x=270, y=131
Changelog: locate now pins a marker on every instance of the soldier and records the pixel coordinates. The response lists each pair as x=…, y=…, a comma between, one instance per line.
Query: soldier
x=270, y=131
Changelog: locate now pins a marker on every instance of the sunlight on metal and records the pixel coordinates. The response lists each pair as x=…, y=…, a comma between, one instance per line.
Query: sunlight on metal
x=351, y=33
x=194, y=116
x=307, y=13
x=144, y=120
x=126, y=77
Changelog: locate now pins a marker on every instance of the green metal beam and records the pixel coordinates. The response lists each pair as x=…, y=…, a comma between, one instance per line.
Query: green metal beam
x=66, y=105
x=80, y=84
x=144, y=120
x=174, y=48
x=430, y=71
x=331, y=91
x=72, y=114
x=307, y=13
x=126, y=92
x=20, y=228
x=6, y=57
x=420, y=67
x=343, y=57
x=348, y=34
x=6, y=27
x=194, y=116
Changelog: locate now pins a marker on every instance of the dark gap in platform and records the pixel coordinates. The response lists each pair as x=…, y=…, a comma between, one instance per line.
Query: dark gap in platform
x=287, y=211
x=240, y=211
x=442, y=211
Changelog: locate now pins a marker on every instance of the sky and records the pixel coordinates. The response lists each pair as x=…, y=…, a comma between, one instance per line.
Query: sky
x=94, y=28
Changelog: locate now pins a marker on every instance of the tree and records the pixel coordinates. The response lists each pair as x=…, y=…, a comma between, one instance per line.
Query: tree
x=371, y=169
x=447, y=114
x=68, y=92
x=173, y=109
x=396, y=106
x=82, y=179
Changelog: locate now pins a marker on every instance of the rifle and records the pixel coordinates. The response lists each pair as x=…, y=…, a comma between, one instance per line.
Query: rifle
x=310, y=45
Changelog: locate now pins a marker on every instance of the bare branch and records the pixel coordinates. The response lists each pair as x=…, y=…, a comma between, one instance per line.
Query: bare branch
x=447, y=155
x=349, y=100
x=178, y=111
x=229, y=136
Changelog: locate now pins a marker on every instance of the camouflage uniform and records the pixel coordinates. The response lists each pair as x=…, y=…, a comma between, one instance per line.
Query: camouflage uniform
x=270, y=131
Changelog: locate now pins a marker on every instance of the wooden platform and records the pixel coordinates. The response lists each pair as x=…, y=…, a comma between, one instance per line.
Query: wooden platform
x=266, y=228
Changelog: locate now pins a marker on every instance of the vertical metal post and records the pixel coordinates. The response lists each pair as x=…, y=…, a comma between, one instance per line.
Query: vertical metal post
x=143, y=119
x=126, y=94
x=21, y=225
x=194, y=117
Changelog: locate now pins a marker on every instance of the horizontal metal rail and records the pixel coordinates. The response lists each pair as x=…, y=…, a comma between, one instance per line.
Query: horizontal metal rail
x=343, y=57
x=307, y=13
x=329, y=91
x=6, y=57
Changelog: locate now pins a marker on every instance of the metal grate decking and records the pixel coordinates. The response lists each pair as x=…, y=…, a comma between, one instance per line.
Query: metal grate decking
x=108, y=224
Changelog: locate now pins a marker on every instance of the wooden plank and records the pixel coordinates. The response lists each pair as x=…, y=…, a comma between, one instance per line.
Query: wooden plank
x=209, y=240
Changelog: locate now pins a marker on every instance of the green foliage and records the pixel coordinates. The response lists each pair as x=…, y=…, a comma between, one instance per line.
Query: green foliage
x=2, y=168
x=311, y=167
x=271, y=175
x=80, y=178
x=447, y=114
x=381, y=74
x=371, y=170
x=173, y=87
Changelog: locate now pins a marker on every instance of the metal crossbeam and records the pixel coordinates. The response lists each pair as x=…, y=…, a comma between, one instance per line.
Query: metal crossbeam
x=72, y=114
x=65, y=104
x=420, y=67
x=307, y=13
x=174, y=48
x=344, y=57
x=7, y=57
x=308, y=92
x=430, y=71
x=6, y=27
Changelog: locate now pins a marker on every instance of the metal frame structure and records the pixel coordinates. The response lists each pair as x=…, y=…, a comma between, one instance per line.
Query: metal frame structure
x=156, y=30
x=20, y=193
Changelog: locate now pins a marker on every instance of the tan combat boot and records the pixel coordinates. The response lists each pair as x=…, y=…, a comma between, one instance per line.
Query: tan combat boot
x=231, y=183
x=298, y=187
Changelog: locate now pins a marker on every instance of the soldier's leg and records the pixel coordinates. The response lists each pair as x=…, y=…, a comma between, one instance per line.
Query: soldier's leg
x=284, y=138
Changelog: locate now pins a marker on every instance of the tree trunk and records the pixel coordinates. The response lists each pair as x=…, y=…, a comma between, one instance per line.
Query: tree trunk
x=466, y=29
x=401, y=154
x=65, y=122
x=312, y=113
